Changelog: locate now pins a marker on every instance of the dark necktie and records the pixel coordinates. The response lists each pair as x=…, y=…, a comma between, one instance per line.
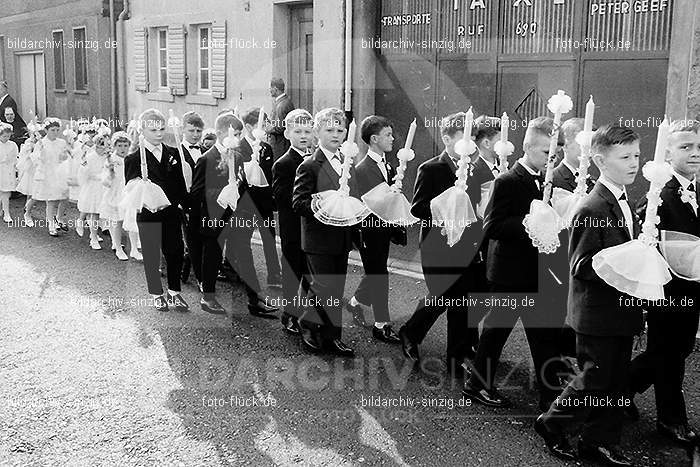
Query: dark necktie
x=691, y=187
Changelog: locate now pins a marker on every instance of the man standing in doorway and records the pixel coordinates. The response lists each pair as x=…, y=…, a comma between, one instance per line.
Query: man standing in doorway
x=282, y=106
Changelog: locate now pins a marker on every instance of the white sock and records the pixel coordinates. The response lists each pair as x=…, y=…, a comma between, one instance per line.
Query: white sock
x=172, y=293
x=380, y=325
x=155, y=296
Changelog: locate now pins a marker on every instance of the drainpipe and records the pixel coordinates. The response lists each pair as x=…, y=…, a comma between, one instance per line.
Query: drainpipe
x=121, y=64
x=348, y=59
x=113, y=59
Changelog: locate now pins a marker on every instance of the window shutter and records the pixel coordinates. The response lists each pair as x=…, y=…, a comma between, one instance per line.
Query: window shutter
x=140, y=59
x=218, y=60
x=176, y=60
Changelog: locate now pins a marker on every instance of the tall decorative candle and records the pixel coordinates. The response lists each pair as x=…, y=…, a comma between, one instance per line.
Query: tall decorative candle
x=662, y=141
x=261, y=118
x=504, y=127
x=411, y=134
x=590, y=110
x=352, y=129
x=468, y=124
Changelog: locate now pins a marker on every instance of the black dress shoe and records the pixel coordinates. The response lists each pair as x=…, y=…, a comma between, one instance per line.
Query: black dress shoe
x=262, y=309
x=681, y=434
x=606, y=455
x=339, y=348
x=179, y=303
x=557, y=443
x=160, y=303
x=357, y=315
x=489, y=397
x=311, y=340
x=290, y=325
x=410, y=348
x=212, y=306
x=386, y=334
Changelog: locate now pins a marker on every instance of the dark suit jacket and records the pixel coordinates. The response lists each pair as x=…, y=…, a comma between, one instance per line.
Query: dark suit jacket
x=10, y=102
x=369, y=176
x=480, y=175
x=261, y=196
x=512, y=259
x=314, y=175
x=564, y=178
x=594, y=307
x=679, y=216
x=279, y=143
x=434, y=177
x=167, y=173
x=283, y=172
x=208, y=179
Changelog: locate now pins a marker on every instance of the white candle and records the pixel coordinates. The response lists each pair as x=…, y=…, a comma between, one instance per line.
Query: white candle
x=590, y=110
x=662, y=141
x=468, y=123
x=351, y=131
x=411, y=134
x=261, y=118
x=504, y=127
x=231, y=132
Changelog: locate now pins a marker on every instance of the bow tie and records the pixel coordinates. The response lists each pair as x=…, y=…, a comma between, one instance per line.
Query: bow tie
x=194, y=146
x=339, y=156
x=623, y=197
x=691, y=187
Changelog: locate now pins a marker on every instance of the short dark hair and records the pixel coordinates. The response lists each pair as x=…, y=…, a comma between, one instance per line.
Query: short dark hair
x=452, y=124
x=277, y=83
x=610, y=135
x=373, y=125
x=251, y=116
x=485, y=127
x=193, y=118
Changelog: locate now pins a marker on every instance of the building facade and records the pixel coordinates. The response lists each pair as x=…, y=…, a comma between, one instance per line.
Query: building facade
x=56, y=56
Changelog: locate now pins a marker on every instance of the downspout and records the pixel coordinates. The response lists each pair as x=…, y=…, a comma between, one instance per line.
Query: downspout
x=121, y=65
x=113, y=59
x=348, y=59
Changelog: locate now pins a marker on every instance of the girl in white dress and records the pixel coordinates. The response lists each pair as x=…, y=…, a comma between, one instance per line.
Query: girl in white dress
x=83, y=145
x=8, y=162
x=49, y=182
x=110, y=212
x=26, y=169
x=91, y=188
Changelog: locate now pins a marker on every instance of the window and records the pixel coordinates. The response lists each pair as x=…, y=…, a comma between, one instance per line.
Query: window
x=79, y=43
x=2, y=57
x=58, y=60
x=204, y=61
x=163, y=58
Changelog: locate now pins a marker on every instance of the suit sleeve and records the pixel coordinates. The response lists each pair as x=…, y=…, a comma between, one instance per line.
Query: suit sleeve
x=304, y=187
x=499, y=222
x=199, y=179
x=422, y=194
x=132, y=167
x=282, y=184
x=182, y=187
x=584, y=243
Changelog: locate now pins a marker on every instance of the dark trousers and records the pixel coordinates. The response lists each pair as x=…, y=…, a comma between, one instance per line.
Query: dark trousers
x=239, y=254
x=265, y=220
x=193, y=242
x=543, y=329
x=161, y=232
x=324, y=311
x=450, y=283
x=670, y=340
x=295, y=277
x=374, y=286
x=605, y=364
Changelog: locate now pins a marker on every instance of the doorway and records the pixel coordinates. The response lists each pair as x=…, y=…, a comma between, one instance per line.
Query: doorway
x=32, y=84
x=302, y=57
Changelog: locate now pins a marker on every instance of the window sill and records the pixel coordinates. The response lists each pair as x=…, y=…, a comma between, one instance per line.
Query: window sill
x=80, y=91
x=203, y=99
x=60, y=91
x=160, y=97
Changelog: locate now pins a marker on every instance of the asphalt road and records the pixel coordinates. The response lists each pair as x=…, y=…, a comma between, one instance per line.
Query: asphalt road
x=90, y=375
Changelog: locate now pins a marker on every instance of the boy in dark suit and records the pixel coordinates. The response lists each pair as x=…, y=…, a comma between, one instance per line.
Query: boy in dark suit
x=672, y=326
x=373, y=290
x=263, y=205
x=566, y=172
x=446, y=269
x=604, y=325
x=298, y=128
x=193, y=125
x=283, y=105
x=160, y=231
x=513, y=267
x=218, y=225
x=326, y=247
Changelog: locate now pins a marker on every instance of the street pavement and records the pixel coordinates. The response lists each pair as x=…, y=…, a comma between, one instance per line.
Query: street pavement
x=91, y=375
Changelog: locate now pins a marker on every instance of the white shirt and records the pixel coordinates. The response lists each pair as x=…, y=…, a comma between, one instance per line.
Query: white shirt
x=280, y=96
x=381, y=162
x=195, y=153
x=686, y=184
x=623, y=203
x=157, y=151
x=334, y=159
x=2, y=99
x=522, y=162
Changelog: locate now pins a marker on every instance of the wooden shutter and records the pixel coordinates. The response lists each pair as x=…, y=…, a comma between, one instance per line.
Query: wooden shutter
x=176, y=60
x=218, y=60
x=141, y=59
